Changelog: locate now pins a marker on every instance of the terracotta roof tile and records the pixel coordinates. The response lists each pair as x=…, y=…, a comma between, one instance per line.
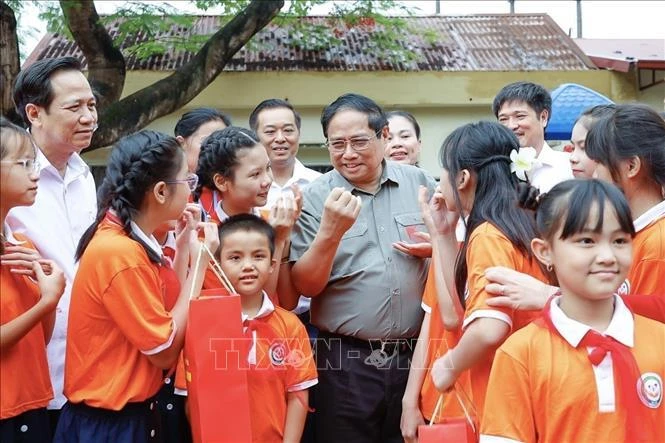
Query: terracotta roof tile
x=495, y=42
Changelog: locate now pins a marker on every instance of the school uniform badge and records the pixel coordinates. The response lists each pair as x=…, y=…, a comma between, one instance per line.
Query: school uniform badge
x=624, y=289
x=277, y=353
x=650, y=389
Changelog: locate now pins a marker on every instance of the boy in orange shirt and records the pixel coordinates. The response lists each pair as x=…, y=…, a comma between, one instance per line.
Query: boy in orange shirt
x=280, y=361
x=587, y=369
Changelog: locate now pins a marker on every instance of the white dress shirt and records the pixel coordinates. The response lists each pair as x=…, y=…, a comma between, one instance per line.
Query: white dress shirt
x=63, y=210
x=302, y=176
x=554, y=168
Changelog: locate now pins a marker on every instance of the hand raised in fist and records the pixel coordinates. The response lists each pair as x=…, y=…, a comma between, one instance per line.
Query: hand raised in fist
x=340, y=211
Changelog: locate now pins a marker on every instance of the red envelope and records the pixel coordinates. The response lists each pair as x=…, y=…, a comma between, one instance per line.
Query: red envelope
x=215, y=363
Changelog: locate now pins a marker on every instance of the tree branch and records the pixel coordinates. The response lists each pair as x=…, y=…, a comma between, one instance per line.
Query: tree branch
x=9, y=60
x=171, y=93
x=106, y=64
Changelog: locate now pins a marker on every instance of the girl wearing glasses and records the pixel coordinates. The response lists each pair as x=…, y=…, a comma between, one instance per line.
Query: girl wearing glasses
x=31, y=289
x=121, y=336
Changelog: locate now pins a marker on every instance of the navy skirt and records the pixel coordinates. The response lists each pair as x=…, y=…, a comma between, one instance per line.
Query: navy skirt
x=31, y=426
x=175, y=426
x=135, y=423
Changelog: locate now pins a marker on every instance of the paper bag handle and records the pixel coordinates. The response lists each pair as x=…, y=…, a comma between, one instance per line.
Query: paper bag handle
x=216, y=269
x=467, y=415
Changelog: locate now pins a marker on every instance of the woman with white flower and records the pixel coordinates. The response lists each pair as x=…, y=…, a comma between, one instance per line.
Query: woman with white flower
x=477, y=184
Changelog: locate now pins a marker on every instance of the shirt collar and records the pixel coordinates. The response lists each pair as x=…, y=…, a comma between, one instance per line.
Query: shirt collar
x=654, y=213
x=267, y=307
x=221, y=215
x=170, y=240
x=75, y=165
x=152, y=243
x=547, y=155
x=621, y=326
x=9, y=236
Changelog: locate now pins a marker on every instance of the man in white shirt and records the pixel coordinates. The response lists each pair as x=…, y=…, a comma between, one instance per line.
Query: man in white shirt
x=277, y=125
x=525, y=108
x=58, y=106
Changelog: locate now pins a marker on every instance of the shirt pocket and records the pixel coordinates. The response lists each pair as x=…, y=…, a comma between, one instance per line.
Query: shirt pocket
x=351, y=253
x=408, y=224
x=359, y=229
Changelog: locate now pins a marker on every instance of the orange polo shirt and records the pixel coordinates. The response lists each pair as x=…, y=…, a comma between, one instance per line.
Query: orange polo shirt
x=439, y=340
x=117, y=318
x=543, y=388
x=490, y=247
x=280, y=361
x=647, y=273
x=23, y=367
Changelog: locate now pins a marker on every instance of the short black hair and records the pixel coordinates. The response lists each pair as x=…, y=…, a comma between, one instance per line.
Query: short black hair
x=376, y=118
x=246, y=223
x=191, y=121
x=33, y=84
x=532, y=94
x=271, y=103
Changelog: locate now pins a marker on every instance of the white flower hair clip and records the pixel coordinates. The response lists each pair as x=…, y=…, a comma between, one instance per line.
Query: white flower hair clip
x=523, y=162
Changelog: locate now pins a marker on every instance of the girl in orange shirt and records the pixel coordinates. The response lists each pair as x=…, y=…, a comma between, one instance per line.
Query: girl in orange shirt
x=30, y=289
x=477, y=184
x=235, y=177
x=587, y=369
x=629, y=146
x=121, y=336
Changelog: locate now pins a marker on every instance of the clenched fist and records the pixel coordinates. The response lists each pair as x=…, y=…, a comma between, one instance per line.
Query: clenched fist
x=340, y=211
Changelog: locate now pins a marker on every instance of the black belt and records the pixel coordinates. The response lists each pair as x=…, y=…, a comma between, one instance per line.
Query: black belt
x=387, y=345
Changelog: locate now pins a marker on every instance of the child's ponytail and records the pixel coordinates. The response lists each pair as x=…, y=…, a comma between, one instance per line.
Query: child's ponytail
x=137, y=162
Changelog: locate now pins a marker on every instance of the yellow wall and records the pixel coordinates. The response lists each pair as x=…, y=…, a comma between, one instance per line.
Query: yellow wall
x=440, y=101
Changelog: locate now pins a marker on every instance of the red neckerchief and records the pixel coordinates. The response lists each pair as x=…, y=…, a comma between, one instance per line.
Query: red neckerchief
x=170, y=281
x=625, y=371
x=207, y=202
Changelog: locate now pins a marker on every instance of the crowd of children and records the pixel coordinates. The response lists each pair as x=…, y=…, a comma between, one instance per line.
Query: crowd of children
x=530, y=366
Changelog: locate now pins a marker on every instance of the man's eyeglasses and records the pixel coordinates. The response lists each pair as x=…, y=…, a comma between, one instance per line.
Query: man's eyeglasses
x=357, y=144
x=192, y=180
x=29, y=164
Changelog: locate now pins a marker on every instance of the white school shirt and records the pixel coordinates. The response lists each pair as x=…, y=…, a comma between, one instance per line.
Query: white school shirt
x=302, y=176
x=64, y=208
x=555, y=168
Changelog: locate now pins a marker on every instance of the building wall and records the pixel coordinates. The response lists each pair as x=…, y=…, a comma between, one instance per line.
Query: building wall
x=441, y=101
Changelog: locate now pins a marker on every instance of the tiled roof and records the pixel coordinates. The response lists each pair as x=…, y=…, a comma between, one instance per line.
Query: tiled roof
x=620, y=54
x=494, y=42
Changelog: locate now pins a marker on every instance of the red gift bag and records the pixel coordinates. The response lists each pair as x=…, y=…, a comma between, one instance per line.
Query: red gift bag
x=215, y=368
x=453, y=430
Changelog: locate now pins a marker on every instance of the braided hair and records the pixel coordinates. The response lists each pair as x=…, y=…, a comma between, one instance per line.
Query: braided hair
x=219, y=155
x=137, y=162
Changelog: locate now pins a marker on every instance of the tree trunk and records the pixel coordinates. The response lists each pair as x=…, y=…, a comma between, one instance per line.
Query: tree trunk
x=171, y=93
x=10, y=62
x=106, y=64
